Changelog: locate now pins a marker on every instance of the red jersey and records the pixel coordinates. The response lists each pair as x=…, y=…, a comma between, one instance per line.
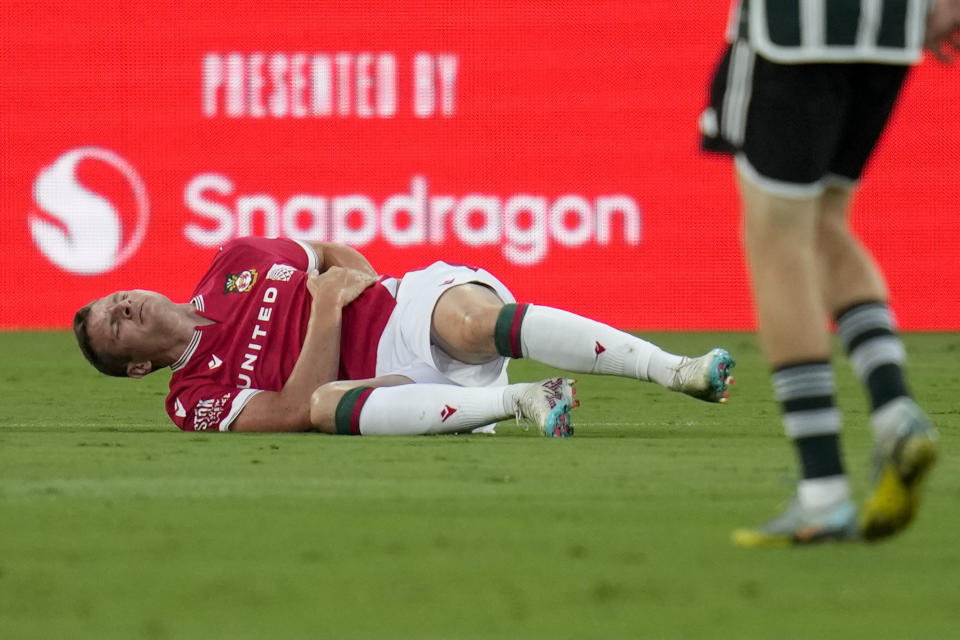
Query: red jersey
x=256, y=294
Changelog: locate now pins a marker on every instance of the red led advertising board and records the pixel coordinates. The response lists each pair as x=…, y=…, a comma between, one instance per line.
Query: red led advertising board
x=554, y=143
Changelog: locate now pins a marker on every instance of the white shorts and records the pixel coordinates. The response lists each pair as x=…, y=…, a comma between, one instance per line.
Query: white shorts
x=405, y=347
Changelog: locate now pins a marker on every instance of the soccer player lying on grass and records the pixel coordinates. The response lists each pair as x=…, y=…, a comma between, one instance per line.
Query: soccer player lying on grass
x=282, y=335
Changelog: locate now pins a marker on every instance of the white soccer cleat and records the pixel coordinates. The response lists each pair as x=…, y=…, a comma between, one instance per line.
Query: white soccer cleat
x=706, y=378
x=547, y=404
x=836, y=522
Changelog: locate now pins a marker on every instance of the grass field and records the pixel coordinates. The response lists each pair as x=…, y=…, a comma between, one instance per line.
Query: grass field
x=113, y=524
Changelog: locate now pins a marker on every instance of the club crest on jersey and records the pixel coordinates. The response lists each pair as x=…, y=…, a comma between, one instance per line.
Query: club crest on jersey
x=240, y=282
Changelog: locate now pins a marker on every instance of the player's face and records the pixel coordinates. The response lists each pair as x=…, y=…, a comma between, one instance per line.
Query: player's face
x=130, y=325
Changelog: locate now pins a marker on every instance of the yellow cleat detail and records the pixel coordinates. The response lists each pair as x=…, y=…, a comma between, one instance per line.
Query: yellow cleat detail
x=753, y=539
x=896, y=495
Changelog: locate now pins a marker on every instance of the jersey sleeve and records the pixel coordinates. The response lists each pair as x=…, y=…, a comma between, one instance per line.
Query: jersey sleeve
x=208, y=407
x=296, y=253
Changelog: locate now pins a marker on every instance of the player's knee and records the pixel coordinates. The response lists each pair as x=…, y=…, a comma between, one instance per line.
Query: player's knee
x=781, y=226
x=464, y=322
x=323, y=405
x=834, y=229
x=835, y=237
x=476, y=324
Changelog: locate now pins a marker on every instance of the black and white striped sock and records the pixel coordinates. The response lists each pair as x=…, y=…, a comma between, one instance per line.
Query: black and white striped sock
x=868, y=332
x=812, y=420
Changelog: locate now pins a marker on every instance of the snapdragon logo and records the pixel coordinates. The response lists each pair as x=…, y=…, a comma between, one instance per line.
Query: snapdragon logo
x=524, y=226
x=81, y=230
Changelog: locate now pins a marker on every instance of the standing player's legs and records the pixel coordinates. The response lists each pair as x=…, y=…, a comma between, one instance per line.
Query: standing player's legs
x=473, y=325
x=811, y=130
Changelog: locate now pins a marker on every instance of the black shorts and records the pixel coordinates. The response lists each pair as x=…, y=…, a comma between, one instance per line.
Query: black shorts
x=798, y=124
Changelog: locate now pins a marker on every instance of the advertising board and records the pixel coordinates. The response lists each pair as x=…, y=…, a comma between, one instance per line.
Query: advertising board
x=553, y=143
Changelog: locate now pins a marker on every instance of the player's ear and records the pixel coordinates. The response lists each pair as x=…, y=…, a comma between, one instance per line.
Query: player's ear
x=139, y=369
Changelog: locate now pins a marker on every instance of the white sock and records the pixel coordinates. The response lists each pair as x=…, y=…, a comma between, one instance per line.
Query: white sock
x=567, y=341
x=814, y=493
x=415, y=409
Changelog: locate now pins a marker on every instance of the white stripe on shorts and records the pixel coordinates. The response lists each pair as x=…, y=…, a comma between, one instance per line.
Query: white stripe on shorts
x=777, y=187
x=736, y=100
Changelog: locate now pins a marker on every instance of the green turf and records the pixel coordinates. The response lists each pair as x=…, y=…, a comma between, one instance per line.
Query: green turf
x=113, y=524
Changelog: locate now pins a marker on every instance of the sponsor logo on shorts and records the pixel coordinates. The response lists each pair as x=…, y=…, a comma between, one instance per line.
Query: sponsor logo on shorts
x=240, y=282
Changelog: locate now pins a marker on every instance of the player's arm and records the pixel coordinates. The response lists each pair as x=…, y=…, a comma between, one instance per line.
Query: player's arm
x=318, y=362
x=331, y=254
x=943, y=29
x=284, y=250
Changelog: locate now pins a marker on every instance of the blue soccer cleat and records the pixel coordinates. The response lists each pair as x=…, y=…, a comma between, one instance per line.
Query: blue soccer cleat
x=548, y=404
x=707, y=377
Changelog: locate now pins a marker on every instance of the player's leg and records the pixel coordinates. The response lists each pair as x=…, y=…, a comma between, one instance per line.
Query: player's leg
x=780, y=240
x=781, y=249
x=472, y=324
x=791, y=126
x=856, y=294
x=848, y=273
x=389, y=406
